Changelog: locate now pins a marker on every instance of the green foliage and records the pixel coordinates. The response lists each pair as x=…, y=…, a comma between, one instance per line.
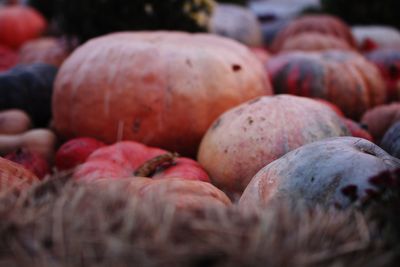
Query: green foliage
x=365, y=11
x=86, y=19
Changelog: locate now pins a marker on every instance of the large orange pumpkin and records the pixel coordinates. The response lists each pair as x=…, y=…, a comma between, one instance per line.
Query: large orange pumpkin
x=160, y=88
x=19, y=24
x=344, y=78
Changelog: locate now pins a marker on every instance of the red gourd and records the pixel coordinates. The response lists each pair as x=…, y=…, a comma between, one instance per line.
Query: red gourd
x=128, y=159
x=19, y=24
x=75, y=152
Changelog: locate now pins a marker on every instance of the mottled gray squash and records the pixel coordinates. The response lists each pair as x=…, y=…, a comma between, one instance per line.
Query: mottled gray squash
x=334, y=171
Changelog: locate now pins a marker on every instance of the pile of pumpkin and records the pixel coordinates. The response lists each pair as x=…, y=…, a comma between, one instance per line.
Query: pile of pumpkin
x=200, y=120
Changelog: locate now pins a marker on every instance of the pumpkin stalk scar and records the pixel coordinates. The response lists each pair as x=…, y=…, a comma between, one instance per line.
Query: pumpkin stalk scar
x=152, y=165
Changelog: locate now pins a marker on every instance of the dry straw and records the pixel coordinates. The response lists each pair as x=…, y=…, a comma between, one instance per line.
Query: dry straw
x=62, y=223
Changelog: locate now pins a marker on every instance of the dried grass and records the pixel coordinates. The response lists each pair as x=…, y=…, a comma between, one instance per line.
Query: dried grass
x=61, y=223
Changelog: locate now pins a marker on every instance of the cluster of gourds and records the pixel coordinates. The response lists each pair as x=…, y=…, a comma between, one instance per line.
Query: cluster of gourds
x=120, y=107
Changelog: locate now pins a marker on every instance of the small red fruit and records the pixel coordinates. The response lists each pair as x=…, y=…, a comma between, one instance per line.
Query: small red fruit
x=75, y=152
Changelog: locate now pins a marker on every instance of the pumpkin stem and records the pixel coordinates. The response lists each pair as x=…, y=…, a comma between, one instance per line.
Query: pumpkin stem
x=152, y=165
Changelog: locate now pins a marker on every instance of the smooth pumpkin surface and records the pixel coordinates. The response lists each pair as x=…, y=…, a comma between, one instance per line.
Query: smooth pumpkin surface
x=160, y=88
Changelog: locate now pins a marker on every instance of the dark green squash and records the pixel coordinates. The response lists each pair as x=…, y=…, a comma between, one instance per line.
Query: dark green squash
x=29, y=87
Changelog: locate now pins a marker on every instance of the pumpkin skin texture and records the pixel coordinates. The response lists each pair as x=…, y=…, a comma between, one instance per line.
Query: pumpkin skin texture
x=323, y=24
x=391, y=140
x=47, y=50
x=19, y=24
x=246, y=138
x=169, y=88
x=379, y=119
x=123, y=159
x=344, y=78
x=334, y=171
x=14, y=176
x=29, y=88
x=313, y=41
x=388, y=63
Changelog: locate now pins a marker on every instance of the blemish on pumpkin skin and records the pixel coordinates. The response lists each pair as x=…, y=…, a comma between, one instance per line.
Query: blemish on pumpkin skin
x=216, y=124
x=350, y=191
x=254, y=101
x=236, y=67
x=136, y=125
